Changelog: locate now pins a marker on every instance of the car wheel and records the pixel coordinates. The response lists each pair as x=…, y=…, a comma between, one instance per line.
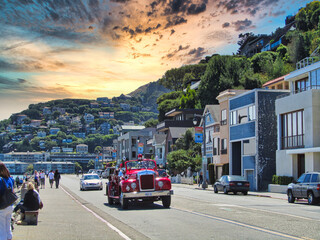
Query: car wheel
x=124, y=202
x=80, y=188
x=166, y=201
x=215, y=189
x=291, y=198
x=311, y=199
x=225, y=191
x=235, y=193
x=245, y=193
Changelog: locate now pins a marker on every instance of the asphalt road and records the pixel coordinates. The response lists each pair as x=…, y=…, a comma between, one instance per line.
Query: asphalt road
x=198, y=214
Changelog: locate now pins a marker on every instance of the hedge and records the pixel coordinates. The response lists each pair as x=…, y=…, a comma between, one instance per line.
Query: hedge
x=211, y=173
x=281, y=180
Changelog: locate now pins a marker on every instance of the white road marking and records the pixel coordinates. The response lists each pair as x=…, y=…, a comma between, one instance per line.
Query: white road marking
x=254, y=209
x=98, y=217
x=241, y=224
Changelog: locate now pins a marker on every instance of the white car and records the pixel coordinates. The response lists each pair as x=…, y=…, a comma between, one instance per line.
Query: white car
x=90, y=181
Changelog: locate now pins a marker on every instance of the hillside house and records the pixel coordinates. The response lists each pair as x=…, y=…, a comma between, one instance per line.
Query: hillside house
x=298, y=115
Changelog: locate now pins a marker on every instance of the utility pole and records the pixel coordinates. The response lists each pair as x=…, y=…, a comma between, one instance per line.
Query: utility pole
x=204, y=157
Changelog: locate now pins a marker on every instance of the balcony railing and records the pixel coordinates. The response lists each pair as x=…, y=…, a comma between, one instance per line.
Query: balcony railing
x=292, y=142
x=306, y=62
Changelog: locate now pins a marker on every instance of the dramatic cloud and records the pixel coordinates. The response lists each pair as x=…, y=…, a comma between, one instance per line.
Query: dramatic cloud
x=89, y=48
x=173, y=21
x=225, y=25
x=242, y=25
x=173, y=53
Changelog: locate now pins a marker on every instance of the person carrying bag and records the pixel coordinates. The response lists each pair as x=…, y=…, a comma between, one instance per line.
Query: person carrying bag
x=7, y=198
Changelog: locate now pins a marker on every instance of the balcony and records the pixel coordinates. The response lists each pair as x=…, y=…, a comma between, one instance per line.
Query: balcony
x=164, y=126
x=306, y=62
x=290, y=142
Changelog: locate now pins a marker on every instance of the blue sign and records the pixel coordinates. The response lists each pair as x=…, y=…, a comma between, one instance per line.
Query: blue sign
x=140, y=150
x=198, y=137
x=114, y=154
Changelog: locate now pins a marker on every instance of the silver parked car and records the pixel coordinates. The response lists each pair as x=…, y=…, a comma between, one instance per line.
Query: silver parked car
x=307, y=186
x=90, y=181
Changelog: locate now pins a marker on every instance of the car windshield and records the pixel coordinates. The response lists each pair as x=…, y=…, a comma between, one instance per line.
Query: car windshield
x=141, y=164
x=88, y=177
x=236, y=178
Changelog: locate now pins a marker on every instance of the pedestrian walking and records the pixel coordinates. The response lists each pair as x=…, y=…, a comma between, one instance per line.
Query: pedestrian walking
x=42, y=179
x=57, y=178
x=200, y=179
x=17, y=181
x=36, y=179
x=51, y=178
x=5, y=214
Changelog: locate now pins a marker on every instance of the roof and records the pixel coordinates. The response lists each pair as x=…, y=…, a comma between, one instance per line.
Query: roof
x=177, y=132
x=214, y=111
x=279, y=79
x=160, y=138
x=129, y=127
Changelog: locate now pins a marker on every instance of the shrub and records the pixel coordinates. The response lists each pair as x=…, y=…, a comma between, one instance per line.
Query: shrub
x=211, y=173
x=225, y=169
x=281, y=180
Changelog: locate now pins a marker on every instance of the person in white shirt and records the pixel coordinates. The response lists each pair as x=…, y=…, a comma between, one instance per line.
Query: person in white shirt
x=42, y=179
x=51, y=177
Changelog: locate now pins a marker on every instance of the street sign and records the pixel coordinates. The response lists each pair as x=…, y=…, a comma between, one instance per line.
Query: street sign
x=140, y=148
x=198, y=136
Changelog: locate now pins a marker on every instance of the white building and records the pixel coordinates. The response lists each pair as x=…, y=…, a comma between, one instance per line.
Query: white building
x=299, y=122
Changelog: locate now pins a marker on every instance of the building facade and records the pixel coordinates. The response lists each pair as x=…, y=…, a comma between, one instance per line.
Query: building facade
x=298, y=117
x=253, y=136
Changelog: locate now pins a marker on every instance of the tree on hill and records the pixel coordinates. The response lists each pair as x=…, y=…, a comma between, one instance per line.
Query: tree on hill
x=167, y=102
x=174, y=78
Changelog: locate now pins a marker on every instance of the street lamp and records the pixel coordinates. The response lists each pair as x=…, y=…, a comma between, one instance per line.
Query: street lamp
x=204, y=158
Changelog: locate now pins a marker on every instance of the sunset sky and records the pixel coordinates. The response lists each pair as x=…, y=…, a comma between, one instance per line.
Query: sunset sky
x=55, y=49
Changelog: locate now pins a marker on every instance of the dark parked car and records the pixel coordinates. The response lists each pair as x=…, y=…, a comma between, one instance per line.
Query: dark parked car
x=307, y=186
x=232, y=183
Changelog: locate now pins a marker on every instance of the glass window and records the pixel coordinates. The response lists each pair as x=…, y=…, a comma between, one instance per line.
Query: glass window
x=307, y=178
x=315, y=178
x=292, y=130
x=252, y=113
x=301, y=178
x=223, y=117
x=223, y=144
x=243, y=115
x=233, y=118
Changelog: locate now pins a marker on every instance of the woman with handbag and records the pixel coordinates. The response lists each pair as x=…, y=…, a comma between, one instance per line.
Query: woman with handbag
x=6, y=182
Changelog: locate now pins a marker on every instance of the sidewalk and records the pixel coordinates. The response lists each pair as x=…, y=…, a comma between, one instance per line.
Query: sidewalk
x=63, y=218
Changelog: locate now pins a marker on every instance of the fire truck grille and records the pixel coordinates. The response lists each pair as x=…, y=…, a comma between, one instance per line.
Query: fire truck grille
x=147, y=182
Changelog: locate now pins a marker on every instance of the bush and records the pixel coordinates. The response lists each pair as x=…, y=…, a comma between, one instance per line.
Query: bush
x=225, y=169
x=281, y=180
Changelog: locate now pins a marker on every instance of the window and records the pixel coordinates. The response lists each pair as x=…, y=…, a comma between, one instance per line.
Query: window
x=251, y=113
x=223, y=117
x=307, y=178
x=216, y=146
x=315, y=178
x=249, y=147
x=233, y=118
x=292, y=130
x=242, y=115
x=224, y=146
x=301, y=85
x=300, y=180
x=133, y=142
x=134, y=154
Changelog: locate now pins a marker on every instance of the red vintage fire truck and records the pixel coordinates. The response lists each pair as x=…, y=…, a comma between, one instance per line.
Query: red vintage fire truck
x=139, y=182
